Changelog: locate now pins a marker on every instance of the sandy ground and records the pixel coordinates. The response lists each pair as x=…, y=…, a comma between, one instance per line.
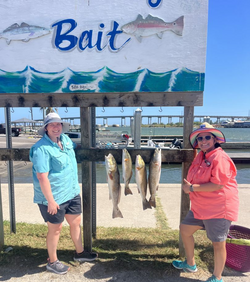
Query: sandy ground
x=133, y=216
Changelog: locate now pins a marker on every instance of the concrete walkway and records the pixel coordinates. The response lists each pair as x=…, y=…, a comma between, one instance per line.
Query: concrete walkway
x=130, y=206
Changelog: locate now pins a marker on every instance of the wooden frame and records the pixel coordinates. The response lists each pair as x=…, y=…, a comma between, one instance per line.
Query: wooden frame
x=86, y=155
x=129, y=99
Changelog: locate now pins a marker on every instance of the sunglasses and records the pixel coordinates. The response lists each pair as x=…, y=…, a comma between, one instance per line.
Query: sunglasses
x=207, y=137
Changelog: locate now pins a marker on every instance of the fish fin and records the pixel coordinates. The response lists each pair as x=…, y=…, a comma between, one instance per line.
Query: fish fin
x=149, y=17
x=139, y=38
x=146, y=205
x=152, y=202
x=139, y=18
x=110, y=195
x=138, y=189
x=110, y=175
x=117, y=213
x=15, y=25
x=128, y=191
x=8, y=41
x=155, y=19
x=24, y=24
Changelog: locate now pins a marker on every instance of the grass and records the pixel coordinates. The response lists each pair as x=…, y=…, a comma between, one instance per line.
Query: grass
x=125, y=248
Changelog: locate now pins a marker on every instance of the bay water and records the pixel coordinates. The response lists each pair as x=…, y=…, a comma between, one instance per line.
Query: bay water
x=171, y=173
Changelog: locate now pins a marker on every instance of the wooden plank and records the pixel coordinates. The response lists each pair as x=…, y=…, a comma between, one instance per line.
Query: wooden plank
x=86, y=181
x=236, y=145
x=1, y=220
x=185, y=202
x=128, y=99
x=96, y=154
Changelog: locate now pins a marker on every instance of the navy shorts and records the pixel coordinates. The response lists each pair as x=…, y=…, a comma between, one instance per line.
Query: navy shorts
x=70, y=207
x=216, y=228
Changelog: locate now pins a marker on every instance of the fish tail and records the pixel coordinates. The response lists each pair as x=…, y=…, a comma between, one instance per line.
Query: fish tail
x=146, y=205
x=179, y=25
x=117, y=213
x=152, y=202
x=127, y=190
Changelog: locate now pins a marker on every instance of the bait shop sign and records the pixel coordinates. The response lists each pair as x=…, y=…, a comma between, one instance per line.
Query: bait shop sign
x=57, y=46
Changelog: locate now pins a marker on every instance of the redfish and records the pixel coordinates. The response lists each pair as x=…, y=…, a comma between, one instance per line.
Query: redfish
x=113, y=176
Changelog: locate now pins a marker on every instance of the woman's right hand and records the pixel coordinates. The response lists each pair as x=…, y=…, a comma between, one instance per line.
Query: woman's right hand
x=53, y=207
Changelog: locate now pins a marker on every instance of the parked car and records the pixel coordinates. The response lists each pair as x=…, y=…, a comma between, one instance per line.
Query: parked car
x=15, y=131
x=74, y=136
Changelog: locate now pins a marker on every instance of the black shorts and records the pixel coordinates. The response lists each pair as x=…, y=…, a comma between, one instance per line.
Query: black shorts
x=70, y=207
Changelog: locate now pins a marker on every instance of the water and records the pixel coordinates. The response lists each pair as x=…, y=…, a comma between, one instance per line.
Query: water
x=31, y=80
x=171, y=173
x=231, y=134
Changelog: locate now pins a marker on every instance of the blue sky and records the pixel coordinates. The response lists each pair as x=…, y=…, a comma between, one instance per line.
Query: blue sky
x=227, y=80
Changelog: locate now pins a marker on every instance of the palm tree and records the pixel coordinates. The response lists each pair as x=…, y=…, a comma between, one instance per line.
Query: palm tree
x=48, y=110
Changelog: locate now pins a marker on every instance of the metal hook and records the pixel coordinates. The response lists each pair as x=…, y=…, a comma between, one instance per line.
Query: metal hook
x=103, y=110
x=30, y=111
x=5, y=163
x=12, y=110
x=66, y=110
x=122, y=110
x=160, y=109
x=25, y=163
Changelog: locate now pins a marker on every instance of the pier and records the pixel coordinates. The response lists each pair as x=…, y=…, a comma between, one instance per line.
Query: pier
x=125, y=120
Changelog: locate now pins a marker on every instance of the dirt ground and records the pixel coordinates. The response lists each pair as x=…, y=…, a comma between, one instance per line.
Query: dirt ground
x=111, y=271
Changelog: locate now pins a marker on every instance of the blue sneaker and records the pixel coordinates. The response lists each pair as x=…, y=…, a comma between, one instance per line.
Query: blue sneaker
x=214, y=279
x=183, y=265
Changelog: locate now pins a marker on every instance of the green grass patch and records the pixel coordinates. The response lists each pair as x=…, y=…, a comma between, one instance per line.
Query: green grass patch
x=122, y=248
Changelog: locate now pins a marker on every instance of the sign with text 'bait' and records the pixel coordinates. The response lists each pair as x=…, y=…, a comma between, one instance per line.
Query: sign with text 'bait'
x=54, y=46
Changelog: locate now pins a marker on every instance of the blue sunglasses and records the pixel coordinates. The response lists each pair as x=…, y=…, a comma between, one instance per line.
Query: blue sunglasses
x=207, y=137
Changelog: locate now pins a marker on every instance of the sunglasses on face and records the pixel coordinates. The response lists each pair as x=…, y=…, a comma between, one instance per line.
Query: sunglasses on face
x=207, y=137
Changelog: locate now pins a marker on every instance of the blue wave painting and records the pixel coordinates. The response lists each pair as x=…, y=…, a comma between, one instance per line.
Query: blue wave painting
x=31, y=80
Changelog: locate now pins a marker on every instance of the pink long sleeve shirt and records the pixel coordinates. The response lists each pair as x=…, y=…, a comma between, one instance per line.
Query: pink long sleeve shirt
x=223, y=203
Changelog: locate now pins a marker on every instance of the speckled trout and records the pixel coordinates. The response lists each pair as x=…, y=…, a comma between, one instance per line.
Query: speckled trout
x=141, y=180
x=113, y=176
x=154, y=175
x=23, y=32
x=126, y=170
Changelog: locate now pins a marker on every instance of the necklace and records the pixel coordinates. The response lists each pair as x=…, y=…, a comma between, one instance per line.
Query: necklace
x=206, y=161
x=59, y=143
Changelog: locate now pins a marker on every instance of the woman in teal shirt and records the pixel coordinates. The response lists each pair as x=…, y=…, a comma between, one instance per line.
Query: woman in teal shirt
x=56, y=189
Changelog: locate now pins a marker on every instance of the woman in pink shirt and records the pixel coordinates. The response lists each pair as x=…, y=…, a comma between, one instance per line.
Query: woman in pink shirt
x=213, y=192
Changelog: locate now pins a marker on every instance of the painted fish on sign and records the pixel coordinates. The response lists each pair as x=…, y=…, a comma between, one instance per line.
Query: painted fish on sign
x=23, y=32
x=152, y=26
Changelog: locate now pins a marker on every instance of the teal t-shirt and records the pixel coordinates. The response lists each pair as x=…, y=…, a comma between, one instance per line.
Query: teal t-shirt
x=61, y=165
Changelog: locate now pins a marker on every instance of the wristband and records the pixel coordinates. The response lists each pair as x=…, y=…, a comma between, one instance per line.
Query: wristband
x=191, y=188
